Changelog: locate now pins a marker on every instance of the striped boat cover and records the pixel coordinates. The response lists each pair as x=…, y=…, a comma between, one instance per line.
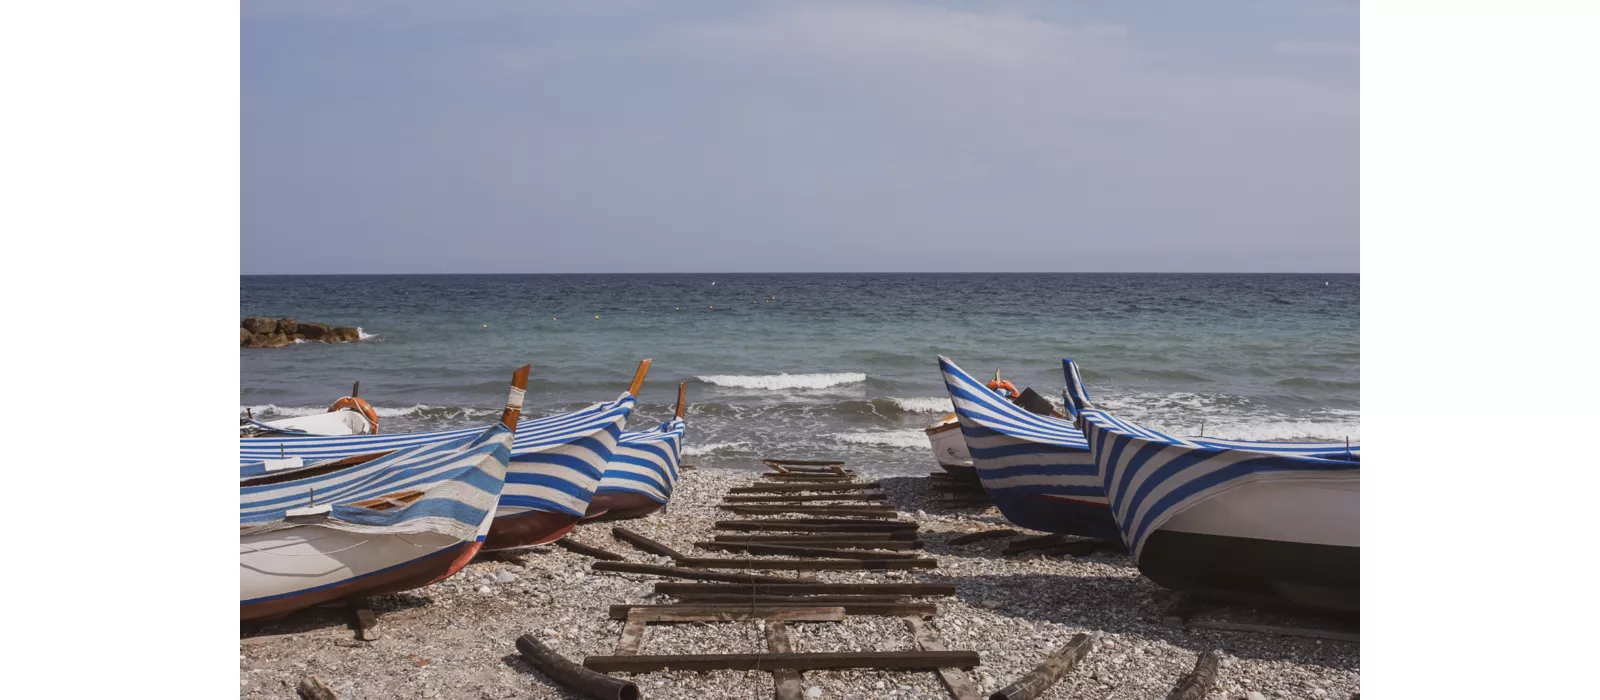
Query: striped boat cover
x=646, y=462
x=1022, y=456
x=556, y=462
x=459, y=479
x=1151, y=477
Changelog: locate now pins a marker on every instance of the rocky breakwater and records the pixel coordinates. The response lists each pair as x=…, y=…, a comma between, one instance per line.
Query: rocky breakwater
x=263, y=332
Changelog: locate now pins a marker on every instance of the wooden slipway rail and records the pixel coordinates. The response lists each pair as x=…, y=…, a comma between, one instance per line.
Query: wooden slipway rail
x=844, y=534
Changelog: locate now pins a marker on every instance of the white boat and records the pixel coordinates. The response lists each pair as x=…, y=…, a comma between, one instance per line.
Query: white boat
x=350, y=415
x=371, y=524
x=949, y=447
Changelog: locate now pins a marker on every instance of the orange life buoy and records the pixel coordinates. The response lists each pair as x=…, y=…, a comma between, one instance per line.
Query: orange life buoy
x=1010, y=389
x=359, y=405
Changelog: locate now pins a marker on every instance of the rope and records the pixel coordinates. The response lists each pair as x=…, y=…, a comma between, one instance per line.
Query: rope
x=514, y=399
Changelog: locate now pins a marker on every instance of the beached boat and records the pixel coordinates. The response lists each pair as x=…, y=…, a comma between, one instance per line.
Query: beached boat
x=949, y=448
x=1036, y=468
x=350, y=415
x=556, y=464
x=643, y=470
x=369, y=525
x=1258, y=522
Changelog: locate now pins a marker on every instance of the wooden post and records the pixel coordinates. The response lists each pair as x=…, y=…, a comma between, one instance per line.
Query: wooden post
x=808, y=564
x=366, y=623
x=632, y=635
x=793, y=551
x=814, y=488
x=683, y=387
x=728, y=613
x=519, y=386
x=572, y=676
x=638, y=377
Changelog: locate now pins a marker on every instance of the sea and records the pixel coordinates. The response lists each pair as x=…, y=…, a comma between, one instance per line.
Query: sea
x=820, y=365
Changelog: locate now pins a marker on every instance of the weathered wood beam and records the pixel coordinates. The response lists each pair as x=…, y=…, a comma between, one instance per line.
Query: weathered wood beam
x=807, y=564
x=675, y=572
x=802, y=589
x=887, y=660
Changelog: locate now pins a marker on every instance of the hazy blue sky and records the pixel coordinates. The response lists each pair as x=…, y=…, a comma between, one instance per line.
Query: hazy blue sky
x=591, y=136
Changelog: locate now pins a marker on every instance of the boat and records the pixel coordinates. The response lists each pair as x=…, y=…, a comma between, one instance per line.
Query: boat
x=556, y=464
x=1253, y=522
x=643, y=470
x=949, y=448
x=370, y=524
x=1036, y=468
x=350, y=415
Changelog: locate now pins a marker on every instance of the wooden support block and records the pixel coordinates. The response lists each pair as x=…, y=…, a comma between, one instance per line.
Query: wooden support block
x=786, y=682
x=1036, y=682
x=632, y=635
x=310, y=688
x=728, y=613
x=861, y=511
x=802, y=498
x=586, y=550
x=984, y=535
x=644, y=543
x=794, y=551
x=807, y=564
x=886, y=660
x=802, y=589
x=955, y=680
x=366, y=623
x=675, y=572
x=1197, y=683
x=792, y=488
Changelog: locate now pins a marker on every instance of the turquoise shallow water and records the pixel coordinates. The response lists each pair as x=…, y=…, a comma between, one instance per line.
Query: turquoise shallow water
x=821, y=364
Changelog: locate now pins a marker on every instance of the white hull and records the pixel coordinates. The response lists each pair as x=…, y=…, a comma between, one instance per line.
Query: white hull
x=332, y=424
x=299, y=559
x=949, y=447
x=1326, y=512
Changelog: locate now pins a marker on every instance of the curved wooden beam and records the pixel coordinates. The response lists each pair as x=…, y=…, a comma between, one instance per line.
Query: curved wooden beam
x=684, y=386
x=519, y=386
x=638, y=377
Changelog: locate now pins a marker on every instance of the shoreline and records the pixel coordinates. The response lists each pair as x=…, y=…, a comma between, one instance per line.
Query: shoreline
x=456, y=638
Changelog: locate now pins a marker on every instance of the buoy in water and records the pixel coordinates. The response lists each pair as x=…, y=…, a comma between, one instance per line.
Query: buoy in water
x=597, y=317
x=485, y=325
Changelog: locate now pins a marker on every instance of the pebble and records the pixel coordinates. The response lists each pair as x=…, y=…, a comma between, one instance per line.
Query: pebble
x=813, y=692
x=485, y=590
x=1253, y=695
x=505, y=577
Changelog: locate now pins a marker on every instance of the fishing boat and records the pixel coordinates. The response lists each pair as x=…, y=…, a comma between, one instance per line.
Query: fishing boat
x=556, y=464
x=350, y=415
x=949, y=448
x=643, y=470
x=369, y=525
x=1256, y=522
x=1036, y=468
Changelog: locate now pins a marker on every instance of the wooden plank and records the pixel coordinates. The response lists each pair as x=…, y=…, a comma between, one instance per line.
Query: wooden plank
x=728, y=613
x=816, y=525
x=1312, y=632
x=769, y=461
x=1197, y=683
x=867, y=538
x=955, y=680
x=979, y=536
x=1030, y=543
x=792, y=488
x=817, y=478
x=802, y=498
x=776, y=611
x=832, y=543
x=786, y=682
x=760, y=599
x=807, y=564
x=794, y=551
x=644, y=543
x=801, y=589
x=1034, y=683
x=675, y=572
x=886, y=660
x=587, y=550
x=885, y=512
x=632, y=635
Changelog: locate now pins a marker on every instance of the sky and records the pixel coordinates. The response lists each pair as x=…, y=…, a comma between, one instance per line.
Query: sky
x=504, y=136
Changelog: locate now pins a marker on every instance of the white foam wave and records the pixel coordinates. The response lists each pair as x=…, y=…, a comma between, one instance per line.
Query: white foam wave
x=1299, y=431
x=276, y=411
x=911, y=439
x=778, y=382
x=923, y=404
x=710, y=447
x=363, y=335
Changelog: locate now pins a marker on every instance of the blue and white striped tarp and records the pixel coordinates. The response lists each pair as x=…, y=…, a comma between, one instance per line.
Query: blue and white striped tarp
x=460, y=480
x=1037, y=469
x=646, y=462
x=556, y=462
x=1150, y=477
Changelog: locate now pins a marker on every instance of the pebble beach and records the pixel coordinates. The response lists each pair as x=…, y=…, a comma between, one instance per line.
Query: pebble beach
x=456, y=638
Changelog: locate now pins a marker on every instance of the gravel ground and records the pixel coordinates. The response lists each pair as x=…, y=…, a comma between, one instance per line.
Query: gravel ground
x=456, y=638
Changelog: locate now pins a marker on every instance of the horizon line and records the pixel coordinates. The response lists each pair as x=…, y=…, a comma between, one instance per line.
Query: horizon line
x=763, y=272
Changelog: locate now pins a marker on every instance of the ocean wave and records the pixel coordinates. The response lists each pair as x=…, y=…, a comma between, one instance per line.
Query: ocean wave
x=270, y=411
x=1309, y=383
x=913, y=439
x=691, y=450
x=1304, y=431
x=779, y=382
x=363, y=335
x=923, y=404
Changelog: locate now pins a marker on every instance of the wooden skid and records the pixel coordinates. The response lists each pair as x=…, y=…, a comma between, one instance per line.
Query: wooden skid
x=802, y=498
x=621, y=612
x=812, y=525
x=807, y=564
x=887, y=660
x=1180, y=614
x=831, y=540
x=803, y=589
x=979, y=536
x=644, y=543
x=885, y=512
x=794, y=551
x=786, y=683
x=587, y=550
x=955, y=680
x=675, y=572
x=811, y=478
x=781, y=600
x=792, y=488
x=803, y=462
x=728, y=613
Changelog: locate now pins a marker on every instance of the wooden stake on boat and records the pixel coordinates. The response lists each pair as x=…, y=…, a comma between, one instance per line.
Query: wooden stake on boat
x=1195, y=684
x=638, y=377
x=1037, y=681
x=572, y=676
x=887, y=660
x=519, y=386
x=683, y=387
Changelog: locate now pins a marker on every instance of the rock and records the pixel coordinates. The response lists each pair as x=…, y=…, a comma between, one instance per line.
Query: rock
x=813, y=692
x=1319, y=693
x=259, y=325
x=244, y=336
x=1253, y=695
x=485, y=590
x=344, y=334
x=276, y=340
x=505, y=577
x=287, y=326
x=312, y=331
x=990, y=604
x=551, y=633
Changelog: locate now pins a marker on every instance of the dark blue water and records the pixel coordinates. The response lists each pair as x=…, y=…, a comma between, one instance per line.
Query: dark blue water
x=822, y=364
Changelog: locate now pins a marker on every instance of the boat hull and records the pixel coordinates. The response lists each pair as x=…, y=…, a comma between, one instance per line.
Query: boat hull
x=286, y=570
x=949, y=447
x=621, y=505
x=528, y=528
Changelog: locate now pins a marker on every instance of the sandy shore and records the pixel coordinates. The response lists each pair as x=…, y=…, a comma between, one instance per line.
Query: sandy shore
x=455, y=639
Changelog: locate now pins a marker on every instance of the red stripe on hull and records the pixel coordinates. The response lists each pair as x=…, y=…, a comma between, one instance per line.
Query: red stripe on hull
x=621, y=506
x=527, y=529
x=414, y=574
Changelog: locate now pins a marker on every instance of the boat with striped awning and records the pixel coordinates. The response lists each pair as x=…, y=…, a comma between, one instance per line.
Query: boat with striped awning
x=555, y=469
x=643, y=470
x=1036, y=468
x=1257, y=522
x=370, y=524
